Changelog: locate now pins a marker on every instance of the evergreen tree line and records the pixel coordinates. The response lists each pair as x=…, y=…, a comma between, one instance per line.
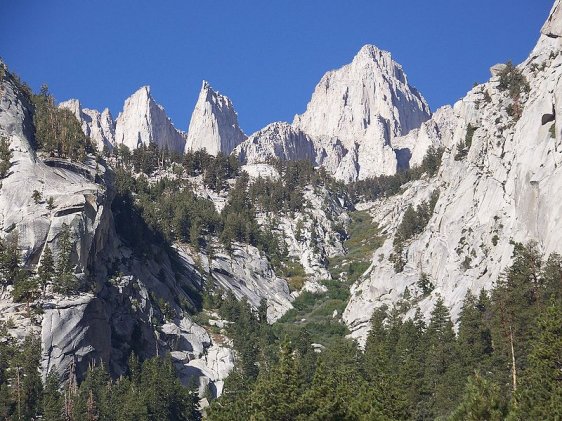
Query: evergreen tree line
x=388, y=185
x=413, y=223
x=146, y=159
x=150, y=391
x=58, y=131
x=5, y=156
x=503, y=363
x=170, y=210
x=28, y=286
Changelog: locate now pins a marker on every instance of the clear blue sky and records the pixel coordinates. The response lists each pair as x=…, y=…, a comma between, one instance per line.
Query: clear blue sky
x=266, y=55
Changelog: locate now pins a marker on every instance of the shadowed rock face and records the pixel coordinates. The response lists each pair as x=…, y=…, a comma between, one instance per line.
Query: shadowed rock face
x=214, y=124
x=508, y=187
x=121, y=313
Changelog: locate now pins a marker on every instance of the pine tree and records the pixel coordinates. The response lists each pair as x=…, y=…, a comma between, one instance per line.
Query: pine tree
x=52, y=398
x=50, y=203
x=5, y=157
x=540, y=395
x=377, y=351
x=26, y=385
x=165, y=397
x=46, y=269
x=277, y=392
x=474, y=337
x=64, y=268
x=481, y=401
x=409, y=361
x=92, y=400
x=516, y=301
x=443, y=376
x=9, y=259
x=36, y=196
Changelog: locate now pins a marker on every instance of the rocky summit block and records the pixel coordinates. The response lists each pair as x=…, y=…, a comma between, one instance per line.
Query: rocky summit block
x=143, y=121
x=505, y=186
x=214, y=124
x=350, y=123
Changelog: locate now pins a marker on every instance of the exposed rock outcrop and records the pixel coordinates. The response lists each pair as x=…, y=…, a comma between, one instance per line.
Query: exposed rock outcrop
x=143, y=121
x=247, y=274
x=100, y=127
x=277, y=140
x=348, y=102
x=505, y=188
x=214, y=124
x=134, y=304
x=350, y=124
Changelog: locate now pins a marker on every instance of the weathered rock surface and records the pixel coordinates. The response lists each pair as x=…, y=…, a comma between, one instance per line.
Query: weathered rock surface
x=123, y=314
x=143, y=121
x=351, y=121
x=349, y=103
x=214, y=124
x=277, y=140
x=553, y=25
x=100, y=127
x=247, y=274
x=506, y=188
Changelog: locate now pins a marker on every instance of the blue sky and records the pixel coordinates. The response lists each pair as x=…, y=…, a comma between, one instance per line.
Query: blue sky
x=267, y=56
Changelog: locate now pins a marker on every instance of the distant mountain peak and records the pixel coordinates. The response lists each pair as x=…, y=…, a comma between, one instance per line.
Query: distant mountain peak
x=143, y=121
x=214, y=123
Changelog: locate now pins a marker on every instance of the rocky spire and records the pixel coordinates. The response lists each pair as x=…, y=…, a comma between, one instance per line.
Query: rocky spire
x=143, y=121
x=368, y=100
x=354, y=114
x=214, y=123
x=100, y=127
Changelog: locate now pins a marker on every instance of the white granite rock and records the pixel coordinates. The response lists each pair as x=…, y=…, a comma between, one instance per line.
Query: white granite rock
x=143, y=121
x=100, y=127
x=214, y=124
x=507, y=188
x=277, y=140
x=350, y=122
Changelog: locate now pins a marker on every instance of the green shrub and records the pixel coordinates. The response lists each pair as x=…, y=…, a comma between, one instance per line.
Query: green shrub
x=36, y=196
x=515, y=83
x=464, y=146
x=5, y=156
x=425, y=284
x=512, y=80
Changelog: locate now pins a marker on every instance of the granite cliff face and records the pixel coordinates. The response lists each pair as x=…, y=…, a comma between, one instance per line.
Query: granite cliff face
x=351, y=121
x=352, y=126
x=143, y=121
x=363, y=120
x=506, y=188
x=214, y=124
x=277, y=140
x=123, y=311
x=100, y=127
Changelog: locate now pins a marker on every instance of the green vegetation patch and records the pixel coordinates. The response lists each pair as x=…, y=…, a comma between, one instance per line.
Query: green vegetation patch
x=363, y=239
x=313, y=312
